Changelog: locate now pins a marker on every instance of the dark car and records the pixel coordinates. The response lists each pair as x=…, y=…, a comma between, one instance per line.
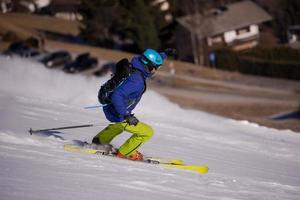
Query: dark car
x=56, y=59
x=17, y=46
x=81, y=63
x=105, y=69
x=21, y=49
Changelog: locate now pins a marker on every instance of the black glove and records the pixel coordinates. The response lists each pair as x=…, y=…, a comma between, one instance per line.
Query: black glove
x=170, y=51
x=131, y=120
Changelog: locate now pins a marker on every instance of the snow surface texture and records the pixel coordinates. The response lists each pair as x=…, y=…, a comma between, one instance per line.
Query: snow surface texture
x=246, y=161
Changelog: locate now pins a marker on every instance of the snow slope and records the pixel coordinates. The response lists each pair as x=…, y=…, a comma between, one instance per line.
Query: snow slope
x=246, y=161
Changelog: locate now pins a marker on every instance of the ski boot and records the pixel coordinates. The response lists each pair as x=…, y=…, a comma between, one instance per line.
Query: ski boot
x=137, y=156
x=106, y=149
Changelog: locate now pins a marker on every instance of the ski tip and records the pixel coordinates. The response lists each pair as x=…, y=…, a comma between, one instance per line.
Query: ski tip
x=201, y=169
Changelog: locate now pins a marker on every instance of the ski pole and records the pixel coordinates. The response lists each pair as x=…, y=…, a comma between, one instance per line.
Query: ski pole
x=91, y=107
x=60, y=128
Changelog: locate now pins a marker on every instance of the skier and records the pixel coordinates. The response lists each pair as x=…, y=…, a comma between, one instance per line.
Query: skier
x=124, y=99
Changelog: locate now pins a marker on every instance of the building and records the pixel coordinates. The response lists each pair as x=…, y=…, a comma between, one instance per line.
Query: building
x=6, y=6
x=64, y=9
x=294, y=36
x=235, y=25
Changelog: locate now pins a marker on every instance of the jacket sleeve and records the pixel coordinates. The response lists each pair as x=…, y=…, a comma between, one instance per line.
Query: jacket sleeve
x=120, y=97
x=131, y=107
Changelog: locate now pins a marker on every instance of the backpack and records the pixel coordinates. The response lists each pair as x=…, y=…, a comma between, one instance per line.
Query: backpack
x=122, y=72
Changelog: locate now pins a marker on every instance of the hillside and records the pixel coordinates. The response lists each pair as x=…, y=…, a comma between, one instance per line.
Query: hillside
x=228, y=94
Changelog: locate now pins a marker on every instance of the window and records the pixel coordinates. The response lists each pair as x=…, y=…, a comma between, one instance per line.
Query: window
x=243, y=30
x=217, y=39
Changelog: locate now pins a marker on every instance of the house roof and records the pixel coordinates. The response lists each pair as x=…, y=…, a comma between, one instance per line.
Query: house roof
x=294, y=27
x=66, y=2
x=231, y=17
x=63, y=6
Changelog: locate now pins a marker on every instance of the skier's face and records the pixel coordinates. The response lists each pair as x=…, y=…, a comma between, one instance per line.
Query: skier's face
x=152, y=68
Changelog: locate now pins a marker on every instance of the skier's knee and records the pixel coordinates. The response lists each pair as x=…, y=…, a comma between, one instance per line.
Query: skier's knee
x=149, y=132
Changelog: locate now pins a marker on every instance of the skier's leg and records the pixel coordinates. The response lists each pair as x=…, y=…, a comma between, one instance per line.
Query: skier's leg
x=107, y=135
x=141, y=133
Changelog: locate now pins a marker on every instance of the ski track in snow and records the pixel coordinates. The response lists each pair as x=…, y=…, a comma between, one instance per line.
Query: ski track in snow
x=246, y=161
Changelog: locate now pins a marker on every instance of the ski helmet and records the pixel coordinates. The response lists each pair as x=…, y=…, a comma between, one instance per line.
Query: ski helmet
x=152, y=58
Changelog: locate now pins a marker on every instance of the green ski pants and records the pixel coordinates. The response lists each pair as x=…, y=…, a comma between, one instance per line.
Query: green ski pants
x=140, y=134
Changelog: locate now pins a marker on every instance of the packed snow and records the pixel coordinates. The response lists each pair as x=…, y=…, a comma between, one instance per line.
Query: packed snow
x=246, y=161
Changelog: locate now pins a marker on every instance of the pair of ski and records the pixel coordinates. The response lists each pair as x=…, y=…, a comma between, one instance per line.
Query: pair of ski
x=170, y=163
x=80, y=146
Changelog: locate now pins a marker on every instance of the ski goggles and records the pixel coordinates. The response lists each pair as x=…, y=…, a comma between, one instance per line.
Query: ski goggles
x=150, y=64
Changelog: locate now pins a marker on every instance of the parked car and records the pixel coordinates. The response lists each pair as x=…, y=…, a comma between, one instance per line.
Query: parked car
x=21, y=49
x=57, y=58
x=82, y=62
x=30, y=53
x=105, y=69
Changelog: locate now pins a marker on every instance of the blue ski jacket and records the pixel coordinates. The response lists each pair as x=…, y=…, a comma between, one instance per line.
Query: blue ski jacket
x=126, y=96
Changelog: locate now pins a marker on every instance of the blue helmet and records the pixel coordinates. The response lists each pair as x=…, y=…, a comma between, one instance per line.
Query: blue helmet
x=152, y=58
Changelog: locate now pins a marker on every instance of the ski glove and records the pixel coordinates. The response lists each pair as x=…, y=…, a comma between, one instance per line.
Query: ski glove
x=170, y=51
x=131, y=120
